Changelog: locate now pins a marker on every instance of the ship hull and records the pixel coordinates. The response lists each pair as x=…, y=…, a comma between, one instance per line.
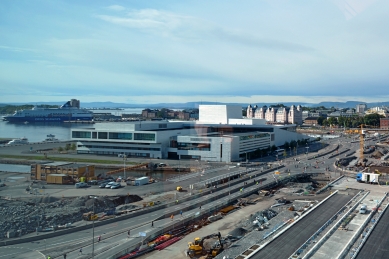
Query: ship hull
x=45, y=119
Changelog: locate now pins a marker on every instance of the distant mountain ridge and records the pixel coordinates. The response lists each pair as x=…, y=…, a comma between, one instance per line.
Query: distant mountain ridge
x=348, y=104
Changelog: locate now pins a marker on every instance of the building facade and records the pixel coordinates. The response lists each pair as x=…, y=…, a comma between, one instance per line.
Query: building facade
x=361, y=108
x=384, y=123
x=283, y=115
x=211, y=141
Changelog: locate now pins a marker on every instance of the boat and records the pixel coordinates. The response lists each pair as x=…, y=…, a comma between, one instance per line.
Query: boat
x=70, y=111
x=50, y=138
x=18, y=141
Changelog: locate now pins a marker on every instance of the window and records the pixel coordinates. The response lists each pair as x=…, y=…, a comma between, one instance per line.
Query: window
x=81, y=134
x=118, y=135
x=144, y=136
x=103, y=135
x=94, y=134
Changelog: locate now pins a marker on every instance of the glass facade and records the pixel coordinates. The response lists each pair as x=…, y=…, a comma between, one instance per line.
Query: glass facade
x=118, y=135
x=262, y=135
x=81, y=134
x=103, y=135
x=144, y=136
x=194, y=146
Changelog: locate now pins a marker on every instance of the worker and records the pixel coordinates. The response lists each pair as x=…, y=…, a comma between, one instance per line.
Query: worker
x=152, y=224
x=200, y=207
x=257, y=183
x=172, y=217
x=128, y=234
x=48, y=257
x=181, y=213
x=80, y=251
x=64, y=256
x=176, y=201
x=99, y=239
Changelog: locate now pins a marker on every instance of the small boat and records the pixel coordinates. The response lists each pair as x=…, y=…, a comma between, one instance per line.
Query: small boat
x=50, y=138
x=18, y=141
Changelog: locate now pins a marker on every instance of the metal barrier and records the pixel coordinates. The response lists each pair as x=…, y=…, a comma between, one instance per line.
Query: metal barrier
x=300, y=250
x=333, y=229
x=345, y=250
x=371, y=229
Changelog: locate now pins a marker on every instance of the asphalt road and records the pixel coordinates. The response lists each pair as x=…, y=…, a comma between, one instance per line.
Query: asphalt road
x=377, y=244
x=64, y=241
x=295, y=236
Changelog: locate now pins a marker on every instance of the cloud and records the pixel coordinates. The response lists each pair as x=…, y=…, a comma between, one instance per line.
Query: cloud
x=185, y=27
x=351, y=8
x=116, y=8
x=16, y=49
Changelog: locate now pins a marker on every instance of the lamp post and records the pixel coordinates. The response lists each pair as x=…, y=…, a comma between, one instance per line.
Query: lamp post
x=290, y=151
x=306, y=154
x=124, y=168
x=93, y=229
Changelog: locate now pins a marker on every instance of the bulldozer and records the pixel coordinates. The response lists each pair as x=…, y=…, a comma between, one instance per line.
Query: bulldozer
x=197, y=247
x=89, y=216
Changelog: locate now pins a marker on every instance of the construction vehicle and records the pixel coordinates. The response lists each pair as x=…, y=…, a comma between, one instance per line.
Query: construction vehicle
x=197, y=247
x=179, y=189
x=89, y=216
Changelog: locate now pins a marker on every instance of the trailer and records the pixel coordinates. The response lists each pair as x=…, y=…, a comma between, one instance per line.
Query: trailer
x=367, y=177
x=141, y=181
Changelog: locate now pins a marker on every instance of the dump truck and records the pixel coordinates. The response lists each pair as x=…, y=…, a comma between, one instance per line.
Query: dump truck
x=197, y=247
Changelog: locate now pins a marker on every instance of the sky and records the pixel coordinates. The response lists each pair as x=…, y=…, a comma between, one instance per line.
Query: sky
x=168, y=51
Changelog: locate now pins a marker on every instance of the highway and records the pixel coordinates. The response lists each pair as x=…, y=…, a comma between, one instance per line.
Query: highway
x=72, y=242
x=295, y=236
x=377, y=244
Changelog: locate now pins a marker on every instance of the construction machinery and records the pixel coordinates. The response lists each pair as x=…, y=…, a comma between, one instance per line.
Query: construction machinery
x=197, y=247
x=89, y=216
x=179, y=189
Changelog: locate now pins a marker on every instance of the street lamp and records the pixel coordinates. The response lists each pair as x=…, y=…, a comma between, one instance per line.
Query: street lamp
x=124, y=168
x=290, y=151
x=93, y=227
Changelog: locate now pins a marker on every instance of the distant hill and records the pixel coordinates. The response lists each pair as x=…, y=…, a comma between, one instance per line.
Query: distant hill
x=348, y=104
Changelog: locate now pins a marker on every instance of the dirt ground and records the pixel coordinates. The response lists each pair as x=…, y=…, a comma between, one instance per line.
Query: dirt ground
x=224, y=226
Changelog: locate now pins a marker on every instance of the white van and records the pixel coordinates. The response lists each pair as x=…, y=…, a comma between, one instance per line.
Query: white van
x=363, y=209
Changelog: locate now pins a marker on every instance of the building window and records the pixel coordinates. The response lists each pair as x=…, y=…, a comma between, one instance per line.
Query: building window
x=144, y=136
x=162, y=126
x=103, y=135
x=94, y=134
x=117, y=135
x=194, y=146
x=81, y=134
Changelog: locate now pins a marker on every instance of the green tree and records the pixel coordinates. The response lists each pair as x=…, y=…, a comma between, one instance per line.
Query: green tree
x=286, y=145
x=273, y=148
x=73, y=147
x=320, y=120
x=67, y=147
x=373, y=119
x=60, y=149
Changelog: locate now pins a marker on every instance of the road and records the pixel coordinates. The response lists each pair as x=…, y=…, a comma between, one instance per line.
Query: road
x=377, y=244
x=70, y=242
x=295, y=236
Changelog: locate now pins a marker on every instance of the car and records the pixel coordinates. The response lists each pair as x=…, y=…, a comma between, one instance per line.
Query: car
x=92, y=182
x=103, y=184
x=81, y=185
x=116, y=186
x=108, y=185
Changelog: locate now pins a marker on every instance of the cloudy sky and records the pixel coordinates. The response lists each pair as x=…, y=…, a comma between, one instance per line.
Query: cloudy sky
x=155, y=51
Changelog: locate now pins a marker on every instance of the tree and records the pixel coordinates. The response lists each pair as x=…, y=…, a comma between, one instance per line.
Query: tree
x=73, y=147
x=286, y=145
x=67, y=147
x=60, y=149
x=320, y=120
x=373, y=119
x=273, y=148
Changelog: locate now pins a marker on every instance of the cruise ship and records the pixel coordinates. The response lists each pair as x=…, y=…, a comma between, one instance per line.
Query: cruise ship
x=70, y=111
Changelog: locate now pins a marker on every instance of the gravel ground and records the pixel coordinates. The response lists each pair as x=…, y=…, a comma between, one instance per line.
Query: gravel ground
x=23, y=217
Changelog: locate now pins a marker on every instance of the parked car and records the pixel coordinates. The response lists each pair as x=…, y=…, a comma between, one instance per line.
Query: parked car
x=116, y=186
x=103, y=184
x=108, y=185
x=81, y=185
x=93, y=182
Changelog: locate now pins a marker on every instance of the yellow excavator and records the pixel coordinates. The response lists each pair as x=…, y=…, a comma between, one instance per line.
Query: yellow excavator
x=197, y=247
x=89, y=216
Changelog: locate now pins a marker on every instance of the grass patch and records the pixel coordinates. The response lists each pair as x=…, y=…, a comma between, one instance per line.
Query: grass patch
x=67, y=159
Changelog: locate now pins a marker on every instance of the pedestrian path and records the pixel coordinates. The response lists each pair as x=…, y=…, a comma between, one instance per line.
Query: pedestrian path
x=180, y=178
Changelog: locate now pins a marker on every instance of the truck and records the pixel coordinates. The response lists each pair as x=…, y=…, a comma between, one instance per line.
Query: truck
x=367, y=177
x=141, y=181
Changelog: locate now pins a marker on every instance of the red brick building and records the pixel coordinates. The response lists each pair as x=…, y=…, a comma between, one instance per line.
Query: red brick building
x=384, y=123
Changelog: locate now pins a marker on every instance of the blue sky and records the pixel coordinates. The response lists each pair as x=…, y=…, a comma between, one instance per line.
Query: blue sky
x=179, y=51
